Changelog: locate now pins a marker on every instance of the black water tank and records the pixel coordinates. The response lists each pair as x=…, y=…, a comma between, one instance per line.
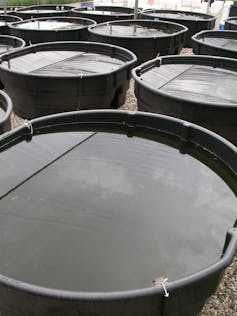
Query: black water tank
x=217, y=43
x=4, y=23
x=64, y=76
x=51, y=29
x=231, y=24
x=199, y=89
x=103, y=14
x=145, y=38
x=194, y=21
x=5, y=112
x=40, y=11
x=9, y=43
x=114, y=213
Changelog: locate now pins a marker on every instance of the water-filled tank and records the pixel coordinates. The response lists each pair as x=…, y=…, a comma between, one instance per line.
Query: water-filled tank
x=200, y=89
x=231, y=24
x=114, y=213
x=39, y=11
x=145, y=38
x=103, y=14
x=64, y=76
x=194, y=21
x=51, y=29
x=9, y=43
x=4, y=23
x=218, y=43
x=5, y=112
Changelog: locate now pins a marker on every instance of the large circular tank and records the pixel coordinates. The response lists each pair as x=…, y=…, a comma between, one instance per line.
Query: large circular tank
x=5, y=20
x=103, y=14
x=194, y=21
x=114, y=213
x=231, y=23
x=9, y=43
x=145, y=38
x=64, y=76
x=217, y=43
x=39, y=11
x=5, y=112
x=51, y=29
x=199, y=89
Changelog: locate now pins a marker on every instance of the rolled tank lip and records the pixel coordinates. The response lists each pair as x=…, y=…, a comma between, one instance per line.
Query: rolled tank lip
x=182, y=28
x=54, y=18
x=159, y=61
x=23, y=43
x=198, y=36
x=125, y=119
x=10, y=16
x=206, y=17
x=33, y=49
x=7, y=107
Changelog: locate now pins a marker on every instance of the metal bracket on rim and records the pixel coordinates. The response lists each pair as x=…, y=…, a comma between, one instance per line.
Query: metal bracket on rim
x=29, y=126
x=161, y=281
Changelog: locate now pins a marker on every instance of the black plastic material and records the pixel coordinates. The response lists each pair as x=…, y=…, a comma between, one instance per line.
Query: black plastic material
x=194, y=21
x=6, y=108
x=37, y=94
x=231, y=23
x=217, y=43
x=5, y=20
x=103, y=14
x=8, y=43
x=165, y=38
x=40, y=11
x=67, y=33
x=9, y=10
x=199, y=89
x=186, y=295
x=233, y=10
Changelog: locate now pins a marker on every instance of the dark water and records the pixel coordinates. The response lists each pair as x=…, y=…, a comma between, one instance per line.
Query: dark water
x=63, y=63
x=221, y=42
x=104, y=212
x=194, y=82
x=2, y=113
x=178, y=15
x=132, y=30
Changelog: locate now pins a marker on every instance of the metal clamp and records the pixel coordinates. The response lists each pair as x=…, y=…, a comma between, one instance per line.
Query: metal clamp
x=29, y=126
x=161, y=281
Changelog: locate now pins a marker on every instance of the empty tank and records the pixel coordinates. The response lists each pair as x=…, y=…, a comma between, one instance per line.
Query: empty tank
x=9, y=43
x=51, y=29
x=194, y=21
x=5, y=20
x=64, y=76
x=5, y=112
x=217, y=43
x=103, y=14
x=199, y=89
x=145, y=38
x=114, y=213
x=231, y=23
x=39, y=11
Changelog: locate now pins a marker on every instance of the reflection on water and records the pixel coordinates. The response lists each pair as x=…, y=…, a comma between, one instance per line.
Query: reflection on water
x=132, y=30
x=115, y=210
x=49, y=25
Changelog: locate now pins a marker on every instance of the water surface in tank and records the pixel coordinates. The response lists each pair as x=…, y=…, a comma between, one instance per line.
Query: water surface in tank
x=2, y=112
x=194, y=82
x=102, y=212
x=49, y=25
x=178, y=15
x=132, y=30
x=99, y=12
x=220, y=42
x=63, y=63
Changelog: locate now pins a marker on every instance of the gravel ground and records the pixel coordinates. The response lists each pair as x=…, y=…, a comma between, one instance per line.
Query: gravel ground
x=224, y=301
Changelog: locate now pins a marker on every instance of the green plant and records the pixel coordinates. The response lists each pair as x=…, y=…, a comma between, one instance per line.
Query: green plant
x=13, y=3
